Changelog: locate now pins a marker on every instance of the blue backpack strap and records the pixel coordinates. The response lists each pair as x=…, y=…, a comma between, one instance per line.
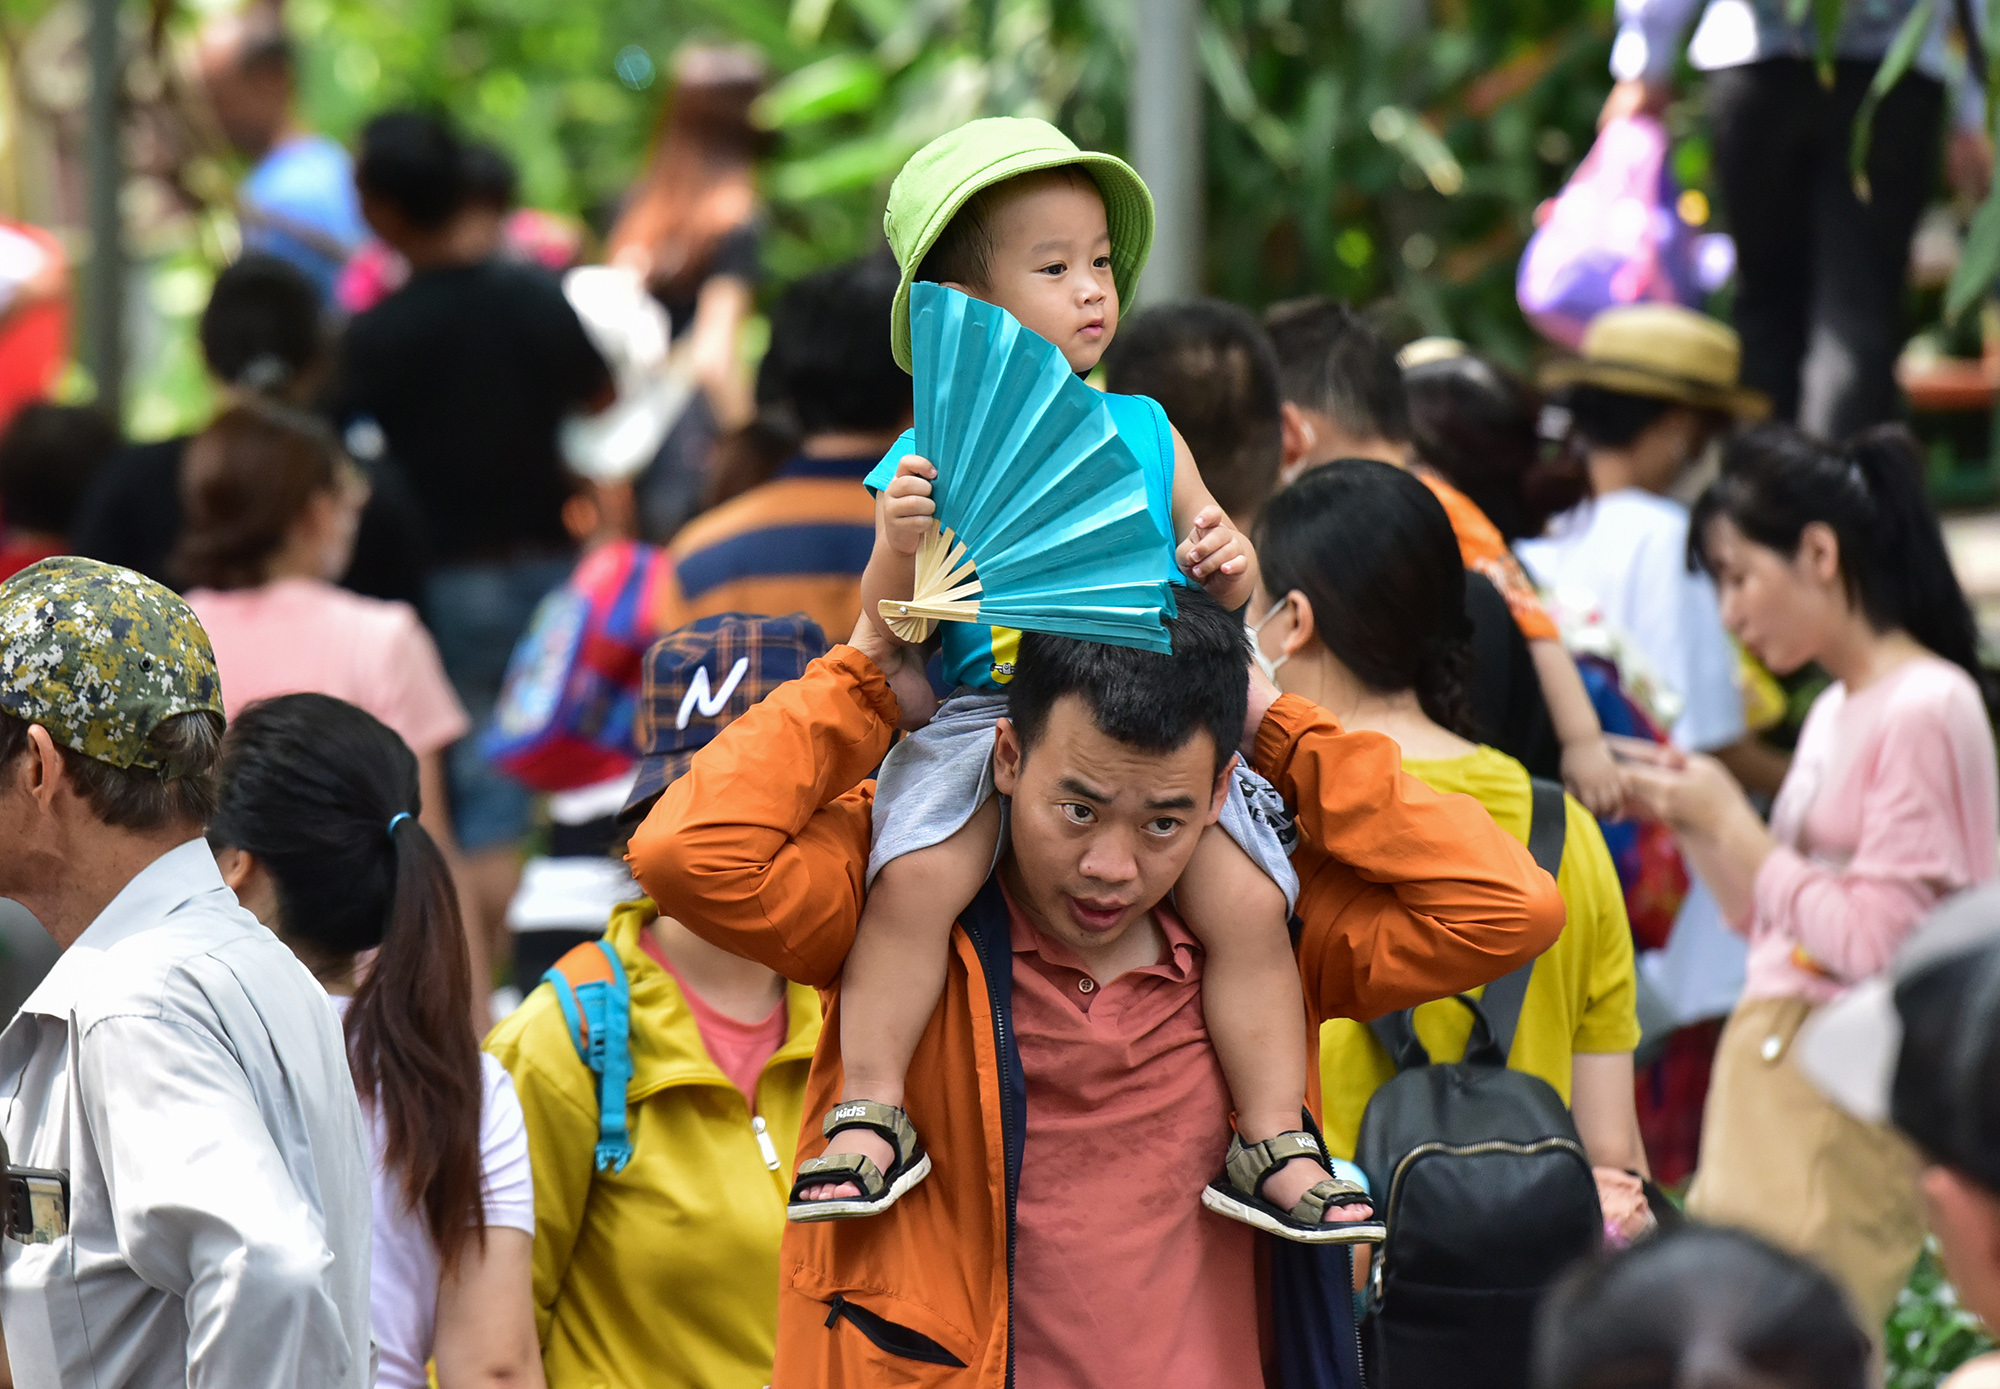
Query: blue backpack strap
x=596, y=1001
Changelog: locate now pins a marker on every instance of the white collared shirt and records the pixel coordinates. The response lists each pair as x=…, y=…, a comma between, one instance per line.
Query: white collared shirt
x=188, y=1074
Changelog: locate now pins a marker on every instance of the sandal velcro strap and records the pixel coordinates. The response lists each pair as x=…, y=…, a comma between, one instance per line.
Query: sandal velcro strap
x=1250, y=1163
x=886, y=1119
x=858, y=1168
x=1324, y=1196
x=878, y=1189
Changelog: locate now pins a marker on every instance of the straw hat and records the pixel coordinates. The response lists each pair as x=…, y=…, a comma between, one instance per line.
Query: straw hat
x=1665, y=352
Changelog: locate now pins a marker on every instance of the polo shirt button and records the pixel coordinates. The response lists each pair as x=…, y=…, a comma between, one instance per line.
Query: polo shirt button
x=1773, y=1046
x=1086, y=985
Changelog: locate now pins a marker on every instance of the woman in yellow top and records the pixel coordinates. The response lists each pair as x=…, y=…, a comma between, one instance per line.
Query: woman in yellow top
x=656, y=1233
x=1369, y=622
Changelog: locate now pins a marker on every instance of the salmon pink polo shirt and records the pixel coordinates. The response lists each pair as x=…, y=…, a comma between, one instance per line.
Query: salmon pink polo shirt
x=1122, y=1277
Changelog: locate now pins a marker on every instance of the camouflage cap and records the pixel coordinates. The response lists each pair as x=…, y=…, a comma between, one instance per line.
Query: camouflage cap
x=99, y=656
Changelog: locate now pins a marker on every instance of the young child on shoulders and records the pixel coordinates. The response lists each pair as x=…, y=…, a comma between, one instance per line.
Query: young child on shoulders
x=1009, y=211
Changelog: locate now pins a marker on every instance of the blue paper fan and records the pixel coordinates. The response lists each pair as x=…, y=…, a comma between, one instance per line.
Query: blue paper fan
x=1043, y=520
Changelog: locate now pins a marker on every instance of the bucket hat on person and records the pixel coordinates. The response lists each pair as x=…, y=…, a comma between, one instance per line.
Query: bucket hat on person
x=100, y=657
x=1919, y=1045
x=700, y=678
x=942, y=176
x=1663, y=352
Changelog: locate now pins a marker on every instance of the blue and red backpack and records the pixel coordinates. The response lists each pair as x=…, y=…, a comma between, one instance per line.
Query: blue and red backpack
x=564, y=718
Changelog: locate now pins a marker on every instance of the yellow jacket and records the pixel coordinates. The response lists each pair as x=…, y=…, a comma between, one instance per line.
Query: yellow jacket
x=664, y=1274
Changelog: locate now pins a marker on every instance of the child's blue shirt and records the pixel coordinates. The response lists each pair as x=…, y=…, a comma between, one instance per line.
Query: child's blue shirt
x=983, y=657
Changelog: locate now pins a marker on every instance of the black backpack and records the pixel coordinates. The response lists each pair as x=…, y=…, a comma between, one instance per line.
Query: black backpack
x=1484, y=1184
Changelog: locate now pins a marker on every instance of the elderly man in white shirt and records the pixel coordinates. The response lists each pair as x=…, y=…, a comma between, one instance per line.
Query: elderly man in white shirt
x=176, y=1091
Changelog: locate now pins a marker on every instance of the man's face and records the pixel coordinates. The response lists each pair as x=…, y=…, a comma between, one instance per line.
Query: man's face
x=1051, y=265
x=1101, y=830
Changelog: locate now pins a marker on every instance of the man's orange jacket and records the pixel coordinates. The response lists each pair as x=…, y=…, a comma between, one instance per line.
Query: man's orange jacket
x=1405, y=896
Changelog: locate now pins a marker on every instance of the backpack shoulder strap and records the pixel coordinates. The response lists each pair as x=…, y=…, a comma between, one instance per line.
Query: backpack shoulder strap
x=1500, y=1005
x=596, y=1001
x=1548, y=830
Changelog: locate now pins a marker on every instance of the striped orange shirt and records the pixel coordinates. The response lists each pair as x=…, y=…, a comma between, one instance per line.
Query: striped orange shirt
x=796, y=543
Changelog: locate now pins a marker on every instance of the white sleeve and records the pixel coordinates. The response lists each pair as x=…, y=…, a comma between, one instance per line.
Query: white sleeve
x=507, y=1178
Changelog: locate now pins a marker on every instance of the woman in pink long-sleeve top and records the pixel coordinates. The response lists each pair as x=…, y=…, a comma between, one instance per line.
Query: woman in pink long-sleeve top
x=1830, y=555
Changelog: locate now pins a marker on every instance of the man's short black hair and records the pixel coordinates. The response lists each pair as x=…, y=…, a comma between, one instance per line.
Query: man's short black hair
x=963, y=251
x=1150, y=701
x=829, y=361
x=1333, y=361
x=1215, y=373
x=413, y=161
x=262, y=328
x=48, y=457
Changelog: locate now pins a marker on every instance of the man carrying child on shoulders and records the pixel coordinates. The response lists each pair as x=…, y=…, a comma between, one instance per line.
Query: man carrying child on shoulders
x=1025, y=1128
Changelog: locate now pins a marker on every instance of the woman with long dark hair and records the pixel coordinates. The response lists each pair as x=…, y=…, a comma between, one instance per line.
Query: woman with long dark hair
x=317, y=832
x=1830, y=554
x=1362, y=611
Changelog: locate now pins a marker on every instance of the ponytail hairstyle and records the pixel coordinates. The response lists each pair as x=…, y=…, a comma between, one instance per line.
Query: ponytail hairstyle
x=324, y=796
x=1373, y=552
x=1776, y=481
x=1698, y=1308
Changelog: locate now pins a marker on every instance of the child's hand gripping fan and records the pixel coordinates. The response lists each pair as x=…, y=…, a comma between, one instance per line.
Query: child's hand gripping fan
x=1045, y=521
x=564, y=719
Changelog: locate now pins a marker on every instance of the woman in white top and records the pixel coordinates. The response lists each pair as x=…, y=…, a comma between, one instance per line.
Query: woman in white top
x=316, y=830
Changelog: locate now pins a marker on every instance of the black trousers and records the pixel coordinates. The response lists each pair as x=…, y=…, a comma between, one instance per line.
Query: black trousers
x=1821, y=274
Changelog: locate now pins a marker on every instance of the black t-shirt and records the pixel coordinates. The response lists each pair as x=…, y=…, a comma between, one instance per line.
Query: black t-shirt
x=469, y=370
x=132, y=517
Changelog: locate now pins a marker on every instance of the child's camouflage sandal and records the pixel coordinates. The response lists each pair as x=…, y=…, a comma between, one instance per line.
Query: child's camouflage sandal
x=1237, y=1193
x=879, y=1190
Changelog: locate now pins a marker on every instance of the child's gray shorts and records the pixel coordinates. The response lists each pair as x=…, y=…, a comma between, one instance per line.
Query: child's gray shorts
x=933, y=781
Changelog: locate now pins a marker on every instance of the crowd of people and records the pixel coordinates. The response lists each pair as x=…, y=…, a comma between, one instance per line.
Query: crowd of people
x=867, y=1004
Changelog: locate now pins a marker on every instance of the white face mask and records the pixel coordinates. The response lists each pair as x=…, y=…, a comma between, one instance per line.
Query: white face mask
x=1265, y=663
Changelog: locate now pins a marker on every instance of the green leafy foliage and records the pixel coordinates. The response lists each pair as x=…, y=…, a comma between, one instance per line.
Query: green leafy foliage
x=1929, y=1333
x=1358, y=148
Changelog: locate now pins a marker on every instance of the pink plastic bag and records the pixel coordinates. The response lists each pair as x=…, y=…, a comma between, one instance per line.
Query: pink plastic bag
x=1612, y=236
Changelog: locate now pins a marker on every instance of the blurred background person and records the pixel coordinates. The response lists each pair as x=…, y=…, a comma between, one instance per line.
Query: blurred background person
x=468, y=370
x=297, y=202
x=691, y=228
x=796, y=534
x=263, y=336
x=1820, y=265
x=48, y=456
x=1892, y=802
x=316, y=831
x=1700, y=1309
x=1212, y=368
x=1343, y=397
x=271, y=508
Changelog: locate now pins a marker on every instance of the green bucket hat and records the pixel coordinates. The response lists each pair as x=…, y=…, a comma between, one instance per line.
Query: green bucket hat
x=943, y=175
x=100, y=656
